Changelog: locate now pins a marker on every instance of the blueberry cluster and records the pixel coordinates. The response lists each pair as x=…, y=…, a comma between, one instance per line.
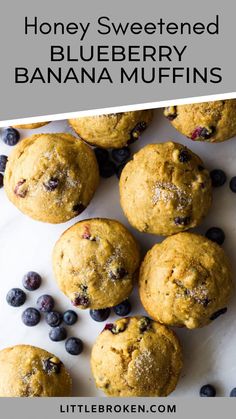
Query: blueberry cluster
x=208, y=390
x=9, y=136
x=112, y=163
x=219, y=178
x=31, y=316
x=122, y=309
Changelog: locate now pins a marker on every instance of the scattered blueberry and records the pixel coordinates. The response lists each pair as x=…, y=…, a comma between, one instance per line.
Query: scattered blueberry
x=119, y=169
x=233, y=392
x=102, y=155
x=121, y=155
x=32, y=281
x=45, y=303
x=70, y=317
x=3, y=163
x=31, y=317
x=232, y=184
x=58, y=333
x=10, y=136
x=16, y=297
x=216, y=235
x=100, y=315
x=1, y=180
x=123, y=309
x=218, y=178
x=74, y=346
x=207, y=391
x=107, y=169
x=54, y=318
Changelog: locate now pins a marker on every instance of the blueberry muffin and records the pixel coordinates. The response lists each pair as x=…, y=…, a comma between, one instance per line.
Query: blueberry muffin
x=165, y=189
x=34, y=125
x=136, y=357
x=27, y=371
x=95, y=263
x=115, y=130
x=185, y=281
x=213, y=122
x=51, y=177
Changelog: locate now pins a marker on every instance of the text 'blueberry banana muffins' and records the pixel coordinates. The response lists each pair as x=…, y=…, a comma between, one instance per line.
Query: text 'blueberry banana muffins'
x=136, y=357
x=96, y=263
x=34, y=125
x=165, y=189
x=115, y=130
x=185, y=281
x=210, y=121
x=51, y=177
x=28, y=371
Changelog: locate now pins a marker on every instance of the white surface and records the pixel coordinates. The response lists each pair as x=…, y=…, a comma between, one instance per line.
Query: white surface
x=209, y=353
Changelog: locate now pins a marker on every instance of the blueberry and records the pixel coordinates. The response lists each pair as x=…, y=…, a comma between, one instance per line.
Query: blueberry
x=58, y=333
x=101, y=155
x=10, y=136
x=233, y=392
x=51, y=184
x=31, y=317
x=32, y=281
x=3, y=163
x=184, y=156
x=54, y=318
x=70, y=317
x=119, y=169
x=207, y=391
x=52, y=365
x=100, y=315
x=183, y=221
x=123, y=309
x=45, y=303
x=232, y=184
x=1, y=180
x=78, y=208
x=202, y=133
x=74, y=346
x=218, y=313
x=121, y=155
x=218, y=178
x=16, y=297
x=107, y=169
x=216, y=235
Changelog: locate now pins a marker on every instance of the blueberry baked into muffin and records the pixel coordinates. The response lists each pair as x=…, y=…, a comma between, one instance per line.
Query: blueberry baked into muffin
x=212, y=122
x=114, y=130
x=185, y=281
x=165, y=189
x=136, y=357
x=96, y=262
x=51, y=177
x=27, y=371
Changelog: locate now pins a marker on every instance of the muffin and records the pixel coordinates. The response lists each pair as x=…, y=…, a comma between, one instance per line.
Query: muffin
x=136, y=357
x=27, y=371
x=185, y=281
x=165, y=189
x=213, y=122
x=34, y=125
x=114, y=130
x=95, y=263
x=51, y=177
